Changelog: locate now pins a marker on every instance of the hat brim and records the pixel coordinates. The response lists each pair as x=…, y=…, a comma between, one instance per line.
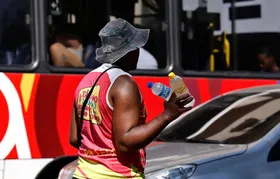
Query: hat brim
x=139, y=40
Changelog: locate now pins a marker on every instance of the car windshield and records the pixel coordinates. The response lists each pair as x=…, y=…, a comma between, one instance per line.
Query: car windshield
x=230, y=119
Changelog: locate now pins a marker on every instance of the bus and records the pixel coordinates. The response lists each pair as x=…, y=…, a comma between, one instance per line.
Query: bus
x=210, y=44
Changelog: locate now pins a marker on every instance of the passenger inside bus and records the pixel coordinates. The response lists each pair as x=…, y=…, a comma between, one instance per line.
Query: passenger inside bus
x=67, y=50
x=267, y=60
x=73, y=31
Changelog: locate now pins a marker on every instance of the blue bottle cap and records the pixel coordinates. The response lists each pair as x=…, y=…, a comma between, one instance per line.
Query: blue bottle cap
x=150, y=84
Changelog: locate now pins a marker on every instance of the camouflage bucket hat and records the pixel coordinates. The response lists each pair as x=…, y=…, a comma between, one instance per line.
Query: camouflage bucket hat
x=119, y=37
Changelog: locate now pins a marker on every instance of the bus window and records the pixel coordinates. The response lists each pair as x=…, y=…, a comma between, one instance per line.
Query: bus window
x=151, y=14
x=15, y=34
x=207, y=38
x=73, y=28
x=201, y=48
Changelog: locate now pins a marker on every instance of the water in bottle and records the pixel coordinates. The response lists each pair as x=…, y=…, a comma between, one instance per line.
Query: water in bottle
x=160, y=90
x=179, y=87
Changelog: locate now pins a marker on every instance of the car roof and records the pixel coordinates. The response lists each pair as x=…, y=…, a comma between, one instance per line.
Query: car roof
x=257, y=89
x=253, y=90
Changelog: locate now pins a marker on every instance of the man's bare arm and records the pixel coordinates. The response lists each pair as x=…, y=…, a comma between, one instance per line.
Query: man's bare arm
x=74, y=129
x=128, y=135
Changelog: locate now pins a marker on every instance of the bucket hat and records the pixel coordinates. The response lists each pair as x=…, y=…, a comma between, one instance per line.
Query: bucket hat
x=118, y=37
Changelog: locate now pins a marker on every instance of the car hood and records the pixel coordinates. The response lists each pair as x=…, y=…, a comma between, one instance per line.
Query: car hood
x=162, y=155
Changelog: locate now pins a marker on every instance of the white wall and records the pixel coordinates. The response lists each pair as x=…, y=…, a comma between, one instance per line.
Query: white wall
x=269, y=21
x=21, y=168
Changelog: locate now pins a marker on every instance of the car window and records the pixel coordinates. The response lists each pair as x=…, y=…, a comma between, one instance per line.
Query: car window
x=246, y=121
x=274, y=154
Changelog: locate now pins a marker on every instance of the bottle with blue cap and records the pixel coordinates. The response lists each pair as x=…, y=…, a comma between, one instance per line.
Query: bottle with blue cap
x=160, y=90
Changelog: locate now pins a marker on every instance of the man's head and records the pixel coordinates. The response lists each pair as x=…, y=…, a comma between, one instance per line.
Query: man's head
x=120, y=44
x=266, y=60
x=129, y=61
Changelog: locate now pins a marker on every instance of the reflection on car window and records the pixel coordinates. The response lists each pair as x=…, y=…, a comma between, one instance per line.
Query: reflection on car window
x=15, y=36
x=246, y=121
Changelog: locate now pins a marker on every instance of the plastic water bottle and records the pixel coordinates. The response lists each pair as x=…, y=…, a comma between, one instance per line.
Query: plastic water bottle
x=160, y=90
x=179, y=87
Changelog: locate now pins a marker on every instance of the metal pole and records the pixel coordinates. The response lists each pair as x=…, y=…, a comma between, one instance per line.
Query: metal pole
x=173, y=19
x=109, y=9
x=234, y=37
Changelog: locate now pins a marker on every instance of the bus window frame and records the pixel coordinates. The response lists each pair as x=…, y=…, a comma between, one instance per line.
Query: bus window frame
x=41, y=62
x=232, y=74
x=34, y=44
x=174, y=60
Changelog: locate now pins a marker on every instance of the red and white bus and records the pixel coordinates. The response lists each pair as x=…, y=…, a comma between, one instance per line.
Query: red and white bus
x=36, y=97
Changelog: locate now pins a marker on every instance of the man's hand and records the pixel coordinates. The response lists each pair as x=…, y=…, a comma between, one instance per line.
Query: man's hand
x=175, y=106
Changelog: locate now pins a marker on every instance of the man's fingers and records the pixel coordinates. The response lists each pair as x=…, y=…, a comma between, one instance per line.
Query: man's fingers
x=186, y=101
x=173, y=97
x=182, y=110
x=182, y=97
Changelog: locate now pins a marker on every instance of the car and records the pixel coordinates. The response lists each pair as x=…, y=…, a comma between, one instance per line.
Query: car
x=234, y=135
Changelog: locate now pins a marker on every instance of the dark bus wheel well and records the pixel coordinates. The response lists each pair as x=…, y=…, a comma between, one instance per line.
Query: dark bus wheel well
x=52, y=169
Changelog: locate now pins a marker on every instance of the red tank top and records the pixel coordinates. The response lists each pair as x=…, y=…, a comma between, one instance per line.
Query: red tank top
x=97, y=151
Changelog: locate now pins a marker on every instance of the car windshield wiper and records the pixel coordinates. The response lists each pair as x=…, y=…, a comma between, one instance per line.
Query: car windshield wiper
x=204, y=141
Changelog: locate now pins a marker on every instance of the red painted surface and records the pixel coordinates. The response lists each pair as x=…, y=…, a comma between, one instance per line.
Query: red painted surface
x=47, y=118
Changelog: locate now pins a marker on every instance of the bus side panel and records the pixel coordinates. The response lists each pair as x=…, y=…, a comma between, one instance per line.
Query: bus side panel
x=36, y=109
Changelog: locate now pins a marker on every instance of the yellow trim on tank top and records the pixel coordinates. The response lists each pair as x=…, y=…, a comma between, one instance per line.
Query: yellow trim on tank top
x=95, y=170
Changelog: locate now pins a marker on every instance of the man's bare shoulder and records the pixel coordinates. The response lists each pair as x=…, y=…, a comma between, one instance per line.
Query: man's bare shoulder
x=125, y=86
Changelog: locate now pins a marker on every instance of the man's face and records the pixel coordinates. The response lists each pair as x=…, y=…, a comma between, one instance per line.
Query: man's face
x=135, y=58
x=266, y=62
x=130, y=60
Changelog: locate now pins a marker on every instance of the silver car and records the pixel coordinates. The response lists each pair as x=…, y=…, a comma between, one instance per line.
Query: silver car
x=235, y=135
